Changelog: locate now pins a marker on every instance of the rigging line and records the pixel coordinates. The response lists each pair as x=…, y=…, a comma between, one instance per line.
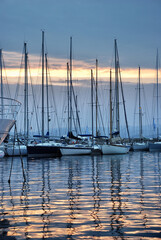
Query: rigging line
x=107, y=111
x=64, y=109
x=100, y=112
x=53, y=96
x=78, y=119
x=136, y=97
x=153, y=104
x=9, y=180
x=23, y=171
x=146, y=106
x=8, y=89
x=52, y=90
x=101, y=116
x=74, y=121
x=34, y=100
x=18, y=83
x=127, y=127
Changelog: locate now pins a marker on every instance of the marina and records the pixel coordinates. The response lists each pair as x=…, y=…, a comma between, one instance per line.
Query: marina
x=80, y=120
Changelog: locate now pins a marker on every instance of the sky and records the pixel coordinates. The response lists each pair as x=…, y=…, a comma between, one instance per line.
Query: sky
x=93, y=25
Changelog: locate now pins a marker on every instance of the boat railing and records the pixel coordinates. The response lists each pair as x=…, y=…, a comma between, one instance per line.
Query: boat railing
x=9, y=108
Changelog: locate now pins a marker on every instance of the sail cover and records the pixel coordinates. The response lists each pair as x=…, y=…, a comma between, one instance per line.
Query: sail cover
x=5, y=127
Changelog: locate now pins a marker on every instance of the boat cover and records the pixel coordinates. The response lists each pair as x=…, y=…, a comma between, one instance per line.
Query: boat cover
x=5, y=127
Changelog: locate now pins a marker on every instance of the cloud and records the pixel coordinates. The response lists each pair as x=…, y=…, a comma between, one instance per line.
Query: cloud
x=58, y=70
x=93, y=24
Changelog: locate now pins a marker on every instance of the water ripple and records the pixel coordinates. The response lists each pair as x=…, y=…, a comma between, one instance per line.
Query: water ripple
x=89, y=197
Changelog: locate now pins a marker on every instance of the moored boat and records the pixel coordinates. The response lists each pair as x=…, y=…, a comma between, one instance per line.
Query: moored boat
x=155, y=147
x=77, y=149
x=114, y=149
x=43, y=150
x=140, y=146
x=1, y=154
x=16, y=150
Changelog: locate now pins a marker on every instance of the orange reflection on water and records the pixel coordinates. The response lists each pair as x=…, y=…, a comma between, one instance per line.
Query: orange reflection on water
x=84, y=198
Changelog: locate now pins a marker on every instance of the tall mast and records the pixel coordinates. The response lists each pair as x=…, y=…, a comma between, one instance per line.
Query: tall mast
x=157, y=69
x=76, y=106
x=96, y=95
x=43, y=85
x=47, y=92
x=1, y=83
x=92, y=101
x=140, y=110
x=70, y=115
x=110, y=104
x=117, y=88
x=68, y=92
x=26, y=119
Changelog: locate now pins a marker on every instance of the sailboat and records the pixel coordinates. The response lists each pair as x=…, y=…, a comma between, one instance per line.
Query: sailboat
x=43, y=149
x=141, y=145
x=96, y=149
x=74, y=148
x=113, y=146
x=156, y=146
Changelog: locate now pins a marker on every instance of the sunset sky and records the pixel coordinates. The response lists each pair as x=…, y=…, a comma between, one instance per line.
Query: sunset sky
x=93, y=24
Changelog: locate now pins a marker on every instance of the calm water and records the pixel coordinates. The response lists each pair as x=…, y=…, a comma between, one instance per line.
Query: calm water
x=100, y=197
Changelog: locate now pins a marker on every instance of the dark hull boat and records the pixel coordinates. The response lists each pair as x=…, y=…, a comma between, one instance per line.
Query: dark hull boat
x=43, y=150
x=155, y=147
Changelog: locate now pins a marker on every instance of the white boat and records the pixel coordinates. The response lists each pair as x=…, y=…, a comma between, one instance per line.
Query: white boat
x=114, y=146
x=77, y=149
x=140, y=146
x=16, y=150
x=1, y=154
x=114, y=149
x=5, y=127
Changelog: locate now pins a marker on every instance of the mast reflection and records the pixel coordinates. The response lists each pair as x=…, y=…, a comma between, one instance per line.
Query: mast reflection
x=142, y=190
x=24, y=200
x=74, y=186
x=96, y=191
x=45, y=196
x=116, y=199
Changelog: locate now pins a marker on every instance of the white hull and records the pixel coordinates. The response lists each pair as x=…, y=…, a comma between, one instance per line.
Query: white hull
x=114, y=149
x=140, y=146
x=75, y=150
x=1, y=154
x=16, y=150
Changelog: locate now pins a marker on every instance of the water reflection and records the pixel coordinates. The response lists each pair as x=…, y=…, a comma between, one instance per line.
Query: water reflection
x=96, y=191
x=73, y=197
x=89, y=197
x=142, y=212
x=116, y=198
x=45, y=191
x=24, y=201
